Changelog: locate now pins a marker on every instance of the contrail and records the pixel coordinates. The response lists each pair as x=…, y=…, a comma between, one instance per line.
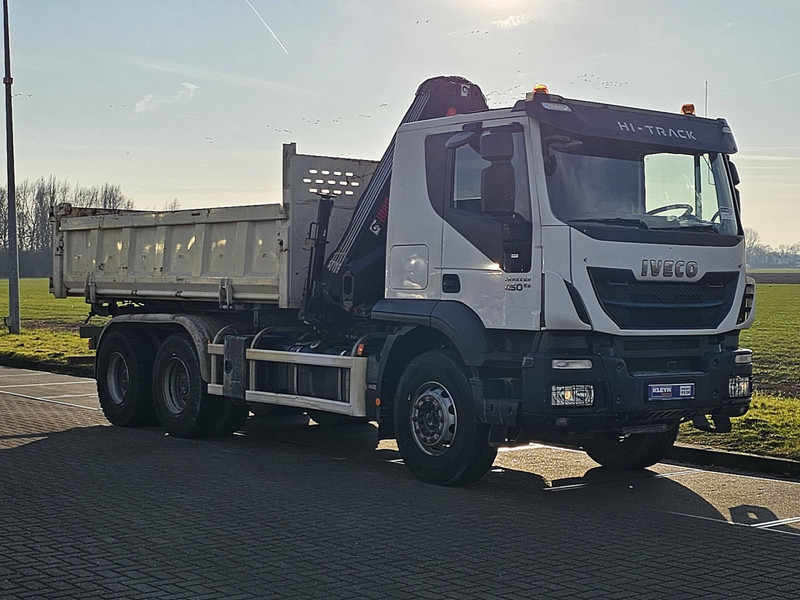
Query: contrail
x=267, y=26
x=755, y=85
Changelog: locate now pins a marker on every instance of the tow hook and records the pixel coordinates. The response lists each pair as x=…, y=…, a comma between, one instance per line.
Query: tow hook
x=722, y=423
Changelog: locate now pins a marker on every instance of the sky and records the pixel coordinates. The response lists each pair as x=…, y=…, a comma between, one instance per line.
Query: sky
x=192, y=99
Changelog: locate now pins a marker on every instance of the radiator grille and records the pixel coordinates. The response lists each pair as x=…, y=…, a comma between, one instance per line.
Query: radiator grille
x=633, y=304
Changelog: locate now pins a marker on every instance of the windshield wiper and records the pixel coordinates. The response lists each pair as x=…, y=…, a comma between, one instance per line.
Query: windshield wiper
x=614, y=221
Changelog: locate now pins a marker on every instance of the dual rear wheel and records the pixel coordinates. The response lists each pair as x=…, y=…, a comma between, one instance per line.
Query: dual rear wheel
x=138, y=386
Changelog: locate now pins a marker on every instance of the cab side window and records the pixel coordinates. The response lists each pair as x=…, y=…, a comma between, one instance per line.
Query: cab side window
x=490, y=175
x=489, y=199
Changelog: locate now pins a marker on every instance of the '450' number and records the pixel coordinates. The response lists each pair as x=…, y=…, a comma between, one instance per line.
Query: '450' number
x=517, y=287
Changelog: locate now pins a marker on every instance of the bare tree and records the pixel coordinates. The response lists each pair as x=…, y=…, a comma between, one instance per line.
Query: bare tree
x=35, y=201
x=173, y=204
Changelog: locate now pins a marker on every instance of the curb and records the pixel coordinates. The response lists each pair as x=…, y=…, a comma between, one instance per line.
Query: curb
x=35, y=365
x=735, y=460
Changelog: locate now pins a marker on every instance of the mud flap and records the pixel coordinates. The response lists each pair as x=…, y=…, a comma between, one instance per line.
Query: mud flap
x=722, y=423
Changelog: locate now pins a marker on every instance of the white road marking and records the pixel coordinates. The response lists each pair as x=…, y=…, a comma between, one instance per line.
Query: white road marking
x=93, y=394
x=776, y=523
x=535, y=446
x=724, y=521
x=26, y=397
x=19, y=385
x=574, y=486
x=38, y=373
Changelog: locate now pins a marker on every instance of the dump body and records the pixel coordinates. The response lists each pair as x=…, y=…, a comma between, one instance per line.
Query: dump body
x=226, y=256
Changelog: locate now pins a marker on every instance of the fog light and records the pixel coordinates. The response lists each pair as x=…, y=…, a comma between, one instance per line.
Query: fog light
x=572, y=395
x=743, y=357
x=740, y=386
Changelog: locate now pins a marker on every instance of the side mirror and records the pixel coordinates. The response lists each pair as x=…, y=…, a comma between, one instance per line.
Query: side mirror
x=468, y=135
x=460, y=139
x=734, y=173
x=562, y=143
x=497, y=146
x=498, y=179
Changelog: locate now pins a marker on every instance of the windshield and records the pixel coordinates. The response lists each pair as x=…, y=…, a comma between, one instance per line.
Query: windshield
x=592, y=180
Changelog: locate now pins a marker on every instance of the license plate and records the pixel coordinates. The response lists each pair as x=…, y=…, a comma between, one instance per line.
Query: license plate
x=670, y=391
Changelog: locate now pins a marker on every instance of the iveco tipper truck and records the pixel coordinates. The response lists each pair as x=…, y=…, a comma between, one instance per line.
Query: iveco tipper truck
x=559, y=270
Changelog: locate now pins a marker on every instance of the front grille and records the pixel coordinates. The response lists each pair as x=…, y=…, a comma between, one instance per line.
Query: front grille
x=634, y=304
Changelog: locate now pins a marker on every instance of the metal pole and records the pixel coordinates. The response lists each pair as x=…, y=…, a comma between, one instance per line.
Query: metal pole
x=12, y=321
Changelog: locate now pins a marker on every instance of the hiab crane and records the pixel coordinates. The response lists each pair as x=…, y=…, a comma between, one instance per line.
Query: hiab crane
x=558, y=270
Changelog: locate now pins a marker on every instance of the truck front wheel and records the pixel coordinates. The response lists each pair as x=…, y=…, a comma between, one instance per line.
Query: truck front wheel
x=124, y=368
x=436, y=422
x=635, y=451
x=184, y=407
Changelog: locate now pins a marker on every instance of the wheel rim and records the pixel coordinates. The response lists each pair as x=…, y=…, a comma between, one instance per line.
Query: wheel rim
x=118, y=377
x=175, y=385
x=434, y=418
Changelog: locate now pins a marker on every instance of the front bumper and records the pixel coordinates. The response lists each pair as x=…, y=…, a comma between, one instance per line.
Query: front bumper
x=620, y=381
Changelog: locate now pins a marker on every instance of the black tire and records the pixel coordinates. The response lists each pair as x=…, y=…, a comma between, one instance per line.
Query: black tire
x=124, y=371
x=636, y=451
x=184, y=407
x=231, y=419
x=445, y=450
x=327, y=419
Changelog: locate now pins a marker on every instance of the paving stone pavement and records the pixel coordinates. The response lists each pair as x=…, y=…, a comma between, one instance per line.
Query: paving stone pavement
x=289, y=510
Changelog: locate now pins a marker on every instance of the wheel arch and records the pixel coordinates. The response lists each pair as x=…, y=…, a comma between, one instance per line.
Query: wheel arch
x=201, y=330
x=424, y=325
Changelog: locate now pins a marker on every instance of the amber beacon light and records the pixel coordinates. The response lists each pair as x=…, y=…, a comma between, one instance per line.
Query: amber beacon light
x=687, y=109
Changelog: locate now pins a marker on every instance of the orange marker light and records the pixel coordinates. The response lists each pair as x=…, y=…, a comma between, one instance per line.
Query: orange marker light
x=360, y=350
x=687, y=109
x=377, y=401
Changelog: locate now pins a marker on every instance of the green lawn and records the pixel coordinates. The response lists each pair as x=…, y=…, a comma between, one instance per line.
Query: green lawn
x=771, y=427
x=49, y=325
x=38, y=304
x=775, y=339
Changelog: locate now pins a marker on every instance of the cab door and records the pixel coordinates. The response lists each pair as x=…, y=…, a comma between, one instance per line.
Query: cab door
x=487, y=242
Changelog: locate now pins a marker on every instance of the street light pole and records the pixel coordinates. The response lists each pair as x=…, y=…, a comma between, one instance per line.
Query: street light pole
x=12, y=321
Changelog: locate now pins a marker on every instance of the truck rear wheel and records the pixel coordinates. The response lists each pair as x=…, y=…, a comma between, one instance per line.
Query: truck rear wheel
x=184, y=407
x=635, y=451
x=124, y=370
x=436, y=422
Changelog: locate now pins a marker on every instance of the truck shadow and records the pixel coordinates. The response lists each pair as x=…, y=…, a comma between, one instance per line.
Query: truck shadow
x=547, y=472
x=301, y=453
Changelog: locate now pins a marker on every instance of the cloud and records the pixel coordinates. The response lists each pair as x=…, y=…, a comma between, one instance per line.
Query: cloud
x=766, y=157
x=757, y=85
x=190, y=71
x=152, y=102
x=511, y=22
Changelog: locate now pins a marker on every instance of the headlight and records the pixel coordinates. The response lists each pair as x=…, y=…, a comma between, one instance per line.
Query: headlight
x=572, y=395
x=740, y=386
